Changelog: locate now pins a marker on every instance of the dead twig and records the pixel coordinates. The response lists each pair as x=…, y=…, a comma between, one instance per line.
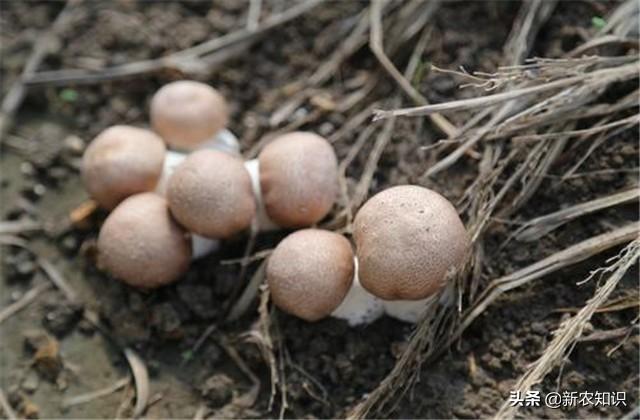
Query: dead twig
x=376, y=45
x=15, y=227
x=24, y=301
x=93, y=395
x=14, y=97
x=141, y=380
x=181, y=59
x=570, y=330
x=595, y=79
x=625, y=122
x=534, y=229
x=6, y=407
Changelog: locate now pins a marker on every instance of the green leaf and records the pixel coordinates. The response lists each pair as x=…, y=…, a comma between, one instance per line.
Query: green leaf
x=69, y=95
x=598, y=22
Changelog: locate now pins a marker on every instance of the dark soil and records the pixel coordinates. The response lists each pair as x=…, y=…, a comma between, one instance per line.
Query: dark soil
x=329, y=366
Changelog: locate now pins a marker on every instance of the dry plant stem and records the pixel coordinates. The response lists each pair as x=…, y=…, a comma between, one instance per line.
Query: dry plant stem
x=6, y=407
x=595, y=79
x=90, y=396
x=376, y=45
x=253, y=16
x=16, y=227
x=61, y=283
x=241, y=305
x=260, y=335
x=175, y=60
x=14, y=97
x=540, y=226
x=26, y=299
x=569, y=256
x=570, y=331
x=607, y=335
x=548, y=155
x=625, y=122
x=362, y=189
x=141, y=379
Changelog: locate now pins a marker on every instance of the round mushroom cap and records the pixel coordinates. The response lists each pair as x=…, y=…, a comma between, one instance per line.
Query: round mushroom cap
x=210, y=194
x=310, y=272
x=408, y=239
x=298, y=179
x=120, y=162
x=187, y=113
x=141, y=244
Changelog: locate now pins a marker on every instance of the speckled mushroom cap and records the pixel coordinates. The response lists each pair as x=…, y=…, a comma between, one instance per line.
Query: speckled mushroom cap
x=187, y=113
x=210, y=194
x=141, y=244
x=310, y=272
x=298, y=179
x=407, y=240
x=122, y=161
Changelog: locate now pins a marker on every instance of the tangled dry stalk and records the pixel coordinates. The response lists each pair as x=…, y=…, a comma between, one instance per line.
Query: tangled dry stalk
x=544, y=97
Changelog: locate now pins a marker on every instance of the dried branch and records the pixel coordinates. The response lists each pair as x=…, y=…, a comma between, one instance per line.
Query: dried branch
x=178, y=59
x=540, y=226
x=570, y=330
x=594, y=79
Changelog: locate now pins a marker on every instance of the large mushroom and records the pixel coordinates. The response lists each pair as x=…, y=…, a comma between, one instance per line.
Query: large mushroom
x=409, y=240
x=141, y=244
x=122, y=161
x=298, y=179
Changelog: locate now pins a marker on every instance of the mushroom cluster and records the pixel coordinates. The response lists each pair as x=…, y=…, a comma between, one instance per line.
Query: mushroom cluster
x=408, y=241
x=171, y=206
x=175, y=191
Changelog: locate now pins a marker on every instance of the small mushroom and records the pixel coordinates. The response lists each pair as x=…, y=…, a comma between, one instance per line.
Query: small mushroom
x=298, y=179
x=210, y=194
x=310, y=272
x=188, y=113
x=122, y=161
x=141, y=244
x=408, y=240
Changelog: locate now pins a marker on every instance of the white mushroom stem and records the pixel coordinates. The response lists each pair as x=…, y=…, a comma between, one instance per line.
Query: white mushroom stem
x=361, y=307
x=227, y=142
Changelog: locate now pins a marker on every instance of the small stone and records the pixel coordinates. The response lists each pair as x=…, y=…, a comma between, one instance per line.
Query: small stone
x=69, y=243
x=39, y=190
x=218, y=389
x=58, y=173
x=30, y=383
x=74, y=144
x=27, y=169
x=25, y=268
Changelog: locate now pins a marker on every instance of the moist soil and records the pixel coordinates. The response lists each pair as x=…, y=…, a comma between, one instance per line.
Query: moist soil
x=49, y=352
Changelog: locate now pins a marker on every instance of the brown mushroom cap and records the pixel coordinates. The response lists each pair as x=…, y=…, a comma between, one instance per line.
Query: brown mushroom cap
x=186, y=113
x=407, y=239
x=210, y=194
x=142, y=245
x=310, y=273
x=298, y=179
x=120, y=162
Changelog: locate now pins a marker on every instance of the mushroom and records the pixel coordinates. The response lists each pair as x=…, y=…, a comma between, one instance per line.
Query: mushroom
x=187, y=113
x=409, y=240
x=121, y=161
x=210, y=194
x=310, y=272
x=298, y=179
x=141, y=244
